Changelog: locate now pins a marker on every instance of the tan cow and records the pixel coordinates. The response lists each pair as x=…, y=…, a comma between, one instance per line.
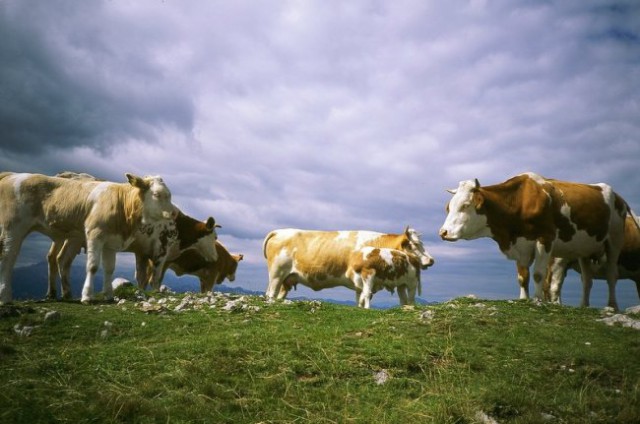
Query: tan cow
x=373, y=268
x=320, y=259
x=210, y=273
x=533, y=218
x=106, y=214
x=628, y=263
x=153, y=244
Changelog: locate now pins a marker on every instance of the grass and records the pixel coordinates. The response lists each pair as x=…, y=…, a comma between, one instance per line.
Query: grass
x=516, y=362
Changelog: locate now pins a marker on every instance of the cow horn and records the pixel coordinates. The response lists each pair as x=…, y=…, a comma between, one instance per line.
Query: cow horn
x=477, y=183
x=451, y=190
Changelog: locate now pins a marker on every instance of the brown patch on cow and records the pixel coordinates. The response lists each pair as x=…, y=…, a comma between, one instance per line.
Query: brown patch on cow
x=587, y=209
x=190, y=230
x=630, y=254
x=518, y=207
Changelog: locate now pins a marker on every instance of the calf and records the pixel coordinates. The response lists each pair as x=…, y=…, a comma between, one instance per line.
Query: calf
x=374, y=268
x=106, y=214
x=210, y=273
x=153, y=244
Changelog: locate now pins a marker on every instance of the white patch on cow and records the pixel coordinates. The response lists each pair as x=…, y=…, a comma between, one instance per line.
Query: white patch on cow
x=365, y=237
x=607, y=192
x=386, y=255
x=343, y=235
x=522, y=251
x=535, y=177
x=565, y=210
x=18, y=179
x=98, y=190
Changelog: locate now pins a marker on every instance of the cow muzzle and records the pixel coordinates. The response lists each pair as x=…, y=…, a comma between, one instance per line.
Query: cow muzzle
x=444, y=235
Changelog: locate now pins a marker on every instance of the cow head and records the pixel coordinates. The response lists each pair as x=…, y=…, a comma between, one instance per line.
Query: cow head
x=463, y=218
x=231, y=276
x=155, y=196
x=206, y=235
x=413, y=245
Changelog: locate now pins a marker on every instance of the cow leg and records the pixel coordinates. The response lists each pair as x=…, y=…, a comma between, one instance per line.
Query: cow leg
x=555, y=278
x=637, y=286
x=587, y=280
x=402, y=294
x=52, y=268
x=523, y=280
x=540, y=269
x=411, y=291
x=142, y=265
x=367, y=292
x=108, y=266
x=94, y=255
x=10, y=248
x=612, y=278
x=70, y=249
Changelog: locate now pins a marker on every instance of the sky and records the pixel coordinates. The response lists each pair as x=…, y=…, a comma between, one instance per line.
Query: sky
x=325, y=114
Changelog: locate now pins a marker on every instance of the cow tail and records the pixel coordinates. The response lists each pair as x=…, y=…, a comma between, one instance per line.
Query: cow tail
x=264, y=243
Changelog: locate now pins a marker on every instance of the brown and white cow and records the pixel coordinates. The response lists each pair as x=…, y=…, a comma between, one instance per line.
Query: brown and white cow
x=106, y=214
x=210, y=273
x=320, y=259
x=628, y=263
x=373, y=268
x=534, y=218
x=153, y=244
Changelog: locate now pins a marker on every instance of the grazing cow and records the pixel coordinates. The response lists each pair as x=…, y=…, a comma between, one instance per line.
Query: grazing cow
x=374, y=268
x=210, y=273
x=534, y=218
x=320, y=259
x=106, y=214
x=628, y=263
x=153, y=244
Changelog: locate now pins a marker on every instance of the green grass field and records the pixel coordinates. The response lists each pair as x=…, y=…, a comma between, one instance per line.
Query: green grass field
x=217, y=361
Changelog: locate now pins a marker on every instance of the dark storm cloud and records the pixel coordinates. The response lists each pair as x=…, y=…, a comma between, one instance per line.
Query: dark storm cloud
x=70, y=78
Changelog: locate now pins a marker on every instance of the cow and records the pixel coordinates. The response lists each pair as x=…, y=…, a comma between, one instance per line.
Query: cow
x=374, y=268
x=152, y=245
x=628, y=263
x=106, y=214
x=208, y=272
x=320, y=259
x=532, y=218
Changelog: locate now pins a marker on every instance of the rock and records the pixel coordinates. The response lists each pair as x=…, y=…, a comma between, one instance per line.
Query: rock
x=52, y=316
x=381, y=377
x=120, y=282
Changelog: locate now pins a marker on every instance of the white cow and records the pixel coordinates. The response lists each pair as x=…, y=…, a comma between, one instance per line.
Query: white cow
x=106, y=214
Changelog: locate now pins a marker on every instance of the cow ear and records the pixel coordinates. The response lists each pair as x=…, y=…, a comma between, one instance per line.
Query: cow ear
x=478, y=200
x=136, y=181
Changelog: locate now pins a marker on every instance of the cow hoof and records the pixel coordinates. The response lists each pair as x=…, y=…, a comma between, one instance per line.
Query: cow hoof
x=86, y=301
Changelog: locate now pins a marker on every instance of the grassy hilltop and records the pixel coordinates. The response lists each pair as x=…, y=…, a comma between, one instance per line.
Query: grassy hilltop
x=225, y=358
